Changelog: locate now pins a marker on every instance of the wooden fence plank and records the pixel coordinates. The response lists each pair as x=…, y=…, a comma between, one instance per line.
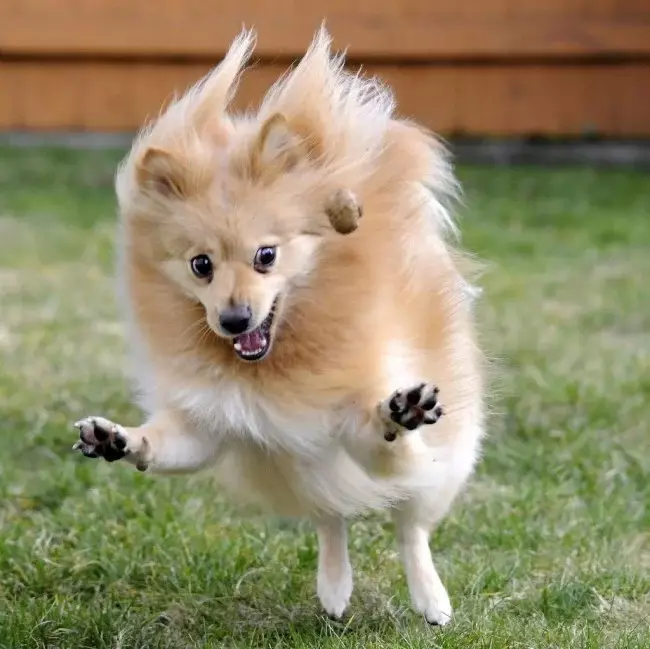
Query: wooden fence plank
x=435, y=92
x=382, y=29
x=483, y=100
x=534, y=10
x=48, y=96
x=632, y=102
x=498, y=100
x=8, y=89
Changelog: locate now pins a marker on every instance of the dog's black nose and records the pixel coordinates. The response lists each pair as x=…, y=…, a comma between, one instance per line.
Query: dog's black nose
x=236, y=319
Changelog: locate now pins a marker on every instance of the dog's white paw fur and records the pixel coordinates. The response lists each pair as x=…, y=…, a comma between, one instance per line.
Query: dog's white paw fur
x=433, y=602
x=334, y=591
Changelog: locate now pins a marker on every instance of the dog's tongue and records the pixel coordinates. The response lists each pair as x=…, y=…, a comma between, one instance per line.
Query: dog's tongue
x=251, y=341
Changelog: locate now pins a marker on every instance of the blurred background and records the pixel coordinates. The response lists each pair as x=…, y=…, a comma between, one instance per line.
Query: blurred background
x=495, y=68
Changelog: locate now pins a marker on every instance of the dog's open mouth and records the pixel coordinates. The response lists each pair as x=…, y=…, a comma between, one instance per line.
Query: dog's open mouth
x=255, y=345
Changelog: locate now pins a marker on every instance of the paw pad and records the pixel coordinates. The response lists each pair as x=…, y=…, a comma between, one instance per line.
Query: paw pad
x=99, y=437
x=412, y=408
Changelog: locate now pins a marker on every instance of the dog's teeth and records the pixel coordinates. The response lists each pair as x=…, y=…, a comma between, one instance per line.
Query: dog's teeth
x=237, y=346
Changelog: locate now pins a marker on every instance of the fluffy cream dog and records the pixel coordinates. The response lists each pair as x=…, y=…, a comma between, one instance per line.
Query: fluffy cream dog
x=302, y=350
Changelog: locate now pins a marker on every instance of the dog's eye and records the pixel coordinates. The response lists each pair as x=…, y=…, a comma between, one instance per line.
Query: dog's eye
x=264, y=259
x=201, y=266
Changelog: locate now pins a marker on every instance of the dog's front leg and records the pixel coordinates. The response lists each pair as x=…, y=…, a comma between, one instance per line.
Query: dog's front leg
x=386, y=441
x=165, y=444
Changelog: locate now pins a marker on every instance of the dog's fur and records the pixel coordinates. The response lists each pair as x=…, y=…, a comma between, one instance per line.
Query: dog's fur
x=367, y=307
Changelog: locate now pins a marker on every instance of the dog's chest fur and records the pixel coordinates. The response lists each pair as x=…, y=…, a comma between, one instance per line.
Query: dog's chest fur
x=294, y=463
x=233, y=409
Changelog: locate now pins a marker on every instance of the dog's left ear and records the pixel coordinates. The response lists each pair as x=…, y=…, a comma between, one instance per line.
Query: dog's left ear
x=277, y=149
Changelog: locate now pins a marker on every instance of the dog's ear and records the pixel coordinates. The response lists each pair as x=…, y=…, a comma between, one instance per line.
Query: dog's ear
x=277, y=148
x=159, y=171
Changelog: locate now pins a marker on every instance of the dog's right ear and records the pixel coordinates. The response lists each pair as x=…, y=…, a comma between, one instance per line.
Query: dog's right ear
x=159, y=171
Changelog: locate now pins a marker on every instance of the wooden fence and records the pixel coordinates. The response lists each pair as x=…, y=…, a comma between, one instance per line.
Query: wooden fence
x=473, y=67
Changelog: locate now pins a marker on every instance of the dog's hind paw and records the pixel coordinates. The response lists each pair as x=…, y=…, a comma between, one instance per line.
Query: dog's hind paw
x=408, y=409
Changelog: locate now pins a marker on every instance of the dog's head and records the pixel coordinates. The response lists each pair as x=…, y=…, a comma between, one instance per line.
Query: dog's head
x=233, y=211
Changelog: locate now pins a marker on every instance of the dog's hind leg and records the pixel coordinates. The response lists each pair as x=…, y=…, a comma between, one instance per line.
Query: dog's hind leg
x=428, y=594
x=334, y=582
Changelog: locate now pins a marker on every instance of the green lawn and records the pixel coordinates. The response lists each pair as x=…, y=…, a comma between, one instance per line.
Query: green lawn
x=549, y=546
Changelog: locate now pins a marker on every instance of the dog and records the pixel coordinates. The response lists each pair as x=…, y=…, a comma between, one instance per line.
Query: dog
x=299, y=312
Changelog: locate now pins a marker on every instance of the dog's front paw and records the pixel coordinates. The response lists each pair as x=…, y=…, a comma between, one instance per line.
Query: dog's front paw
x=99, y=437
x=409, y=409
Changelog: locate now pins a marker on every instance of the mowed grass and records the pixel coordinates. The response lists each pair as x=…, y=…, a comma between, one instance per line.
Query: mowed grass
x=548, y=547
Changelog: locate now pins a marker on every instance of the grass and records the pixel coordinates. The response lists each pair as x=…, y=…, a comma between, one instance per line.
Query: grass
x=549, y=546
